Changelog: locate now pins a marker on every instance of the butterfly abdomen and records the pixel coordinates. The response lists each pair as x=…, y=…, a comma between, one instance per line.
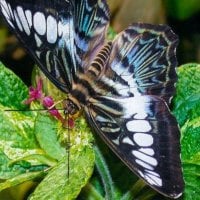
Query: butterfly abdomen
x=98, y=65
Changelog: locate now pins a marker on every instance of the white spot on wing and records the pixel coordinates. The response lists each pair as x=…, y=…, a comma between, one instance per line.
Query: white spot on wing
x=152, y=172
x=145, y=158
x=51, y=29
x=141, y=174
x=10, y=11
x=103, y=119
x=5, y=9
x=110, y=130
x=153, y=180
x=143, y=139
x=148, y=151
x=64, y=27
x=23, y=20
x=127, y=140
x=116, y=141
x=7, y=12
x=143, y=164
x=141, y=115
x=18, y=21
x=138, y=126
x=137, y=106
x=38, y=40
x=39, y=23
x=29, y=17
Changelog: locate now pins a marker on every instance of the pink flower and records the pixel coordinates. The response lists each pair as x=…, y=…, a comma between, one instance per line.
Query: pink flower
x=47, y=101
x=35, y=93
x=49, y=104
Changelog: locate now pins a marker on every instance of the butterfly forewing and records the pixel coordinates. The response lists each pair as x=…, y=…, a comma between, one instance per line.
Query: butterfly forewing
x=124, y=86
x=62, y=36
x=91, y=20
x=143, y=57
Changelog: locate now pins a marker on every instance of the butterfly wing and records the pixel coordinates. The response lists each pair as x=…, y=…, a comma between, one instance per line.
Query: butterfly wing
x=58, y=34
x=145, y=136
x=91, y=23
x=143, y=60
x=132, y=114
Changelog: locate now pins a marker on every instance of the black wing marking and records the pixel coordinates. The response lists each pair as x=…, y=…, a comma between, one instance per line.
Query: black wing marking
x=143, y=61
x=59, y=34
x=144, y=134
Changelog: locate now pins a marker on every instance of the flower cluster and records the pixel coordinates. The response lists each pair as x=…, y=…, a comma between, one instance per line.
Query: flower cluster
x=36, y=94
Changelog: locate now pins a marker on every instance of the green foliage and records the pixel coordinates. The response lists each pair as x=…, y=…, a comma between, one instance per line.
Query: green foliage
x=182, y=9
x=12, y=90
x=187, y=111
x=191, y=158
x=186, y=102
x=33, y=145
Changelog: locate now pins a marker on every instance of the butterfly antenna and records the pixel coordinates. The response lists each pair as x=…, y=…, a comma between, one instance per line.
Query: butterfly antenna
x=68, y=147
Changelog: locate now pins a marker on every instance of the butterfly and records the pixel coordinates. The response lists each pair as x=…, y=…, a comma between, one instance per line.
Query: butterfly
x=123, y=86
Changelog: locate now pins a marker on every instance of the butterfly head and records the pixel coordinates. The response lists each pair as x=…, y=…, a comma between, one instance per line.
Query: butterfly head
x=71, y=107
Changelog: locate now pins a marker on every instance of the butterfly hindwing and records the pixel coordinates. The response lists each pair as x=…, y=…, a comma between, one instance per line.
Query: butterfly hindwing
x=144, y=134
x=62, y=36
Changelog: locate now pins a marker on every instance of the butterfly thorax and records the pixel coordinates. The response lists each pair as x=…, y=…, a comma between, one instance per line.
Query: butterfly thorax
x=88, y=83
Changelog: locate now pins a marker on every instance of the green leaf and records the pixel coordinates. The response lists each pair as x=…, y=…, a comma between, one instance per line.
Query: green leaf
x=191, y=158
x=65, y=180
x=16, y=142
x=12, y=90
x=186, y=102
x=46, y=134
x=20, y=179
x=190, y=139
x=32, y=143
x=20, y=153
x=182, y=9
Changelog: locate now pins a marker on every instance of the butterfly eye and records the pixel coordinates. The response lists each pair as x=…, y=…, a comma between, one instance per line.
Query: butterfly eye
x=70, y=107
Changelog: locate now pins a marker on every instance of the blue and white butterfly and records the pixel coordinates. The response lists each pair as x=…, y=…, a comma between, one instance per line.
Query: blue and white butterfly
x=124, y=86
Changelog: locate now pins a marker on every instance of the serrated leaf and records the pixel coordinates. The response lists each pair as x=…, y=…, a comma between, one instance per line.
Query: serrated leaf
x=190, y=139
x=12, y=90
x=190, y=154
x=186, y=102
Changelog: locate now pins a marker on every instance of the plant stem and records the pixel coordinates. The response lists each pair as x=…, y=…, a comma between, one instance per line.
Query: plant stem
x=147, y=195
x=90, y=193
x=132, y=193
x=103, y=170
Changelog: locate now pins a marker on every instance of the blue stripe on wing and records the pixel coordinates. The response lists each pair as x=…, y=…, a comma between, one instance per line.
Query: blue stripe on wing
x=144, y=57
